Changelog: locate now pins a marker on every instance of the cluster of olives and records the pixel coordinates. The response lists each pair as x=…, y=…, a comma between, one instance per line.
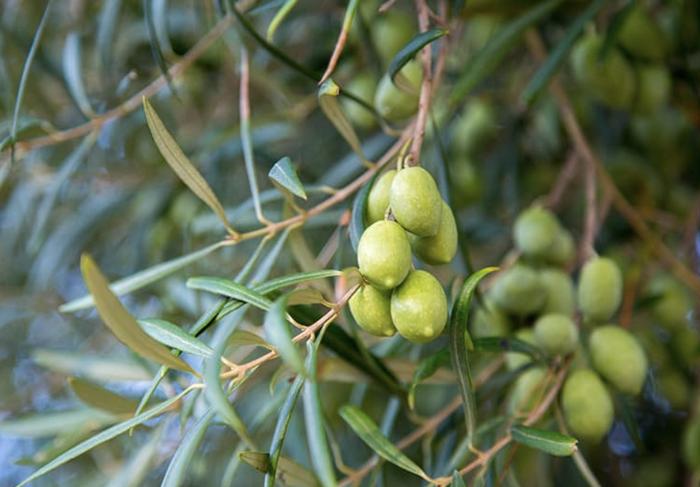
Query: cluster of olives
x=629, y=74
x=538, y=293
x=405, y=213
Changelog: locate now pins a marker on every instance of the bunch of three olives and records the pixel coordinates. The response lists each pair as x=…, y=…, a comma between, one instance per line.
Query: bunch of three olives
x=395, y=297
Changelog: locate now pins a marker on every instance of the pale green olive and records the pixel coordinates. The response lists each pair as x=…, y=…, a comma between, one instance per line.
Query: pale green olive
x=535, y=232
x=441, y=247
x=653, y=88
x=378, y=197
x=363, y=86
x=392, y=31
x=384, y=254
x=673, y=386
x=556, y=334
x=672, y=305
x=371, y=309
x=691, y=444
x=641, y=36
x=527, y=390
x=587, y=405
x=599, y=289
x=617, y=355
x=419, y=307
x=398, y=100
x=563, y=250
x=516, y=360
x=474, y=127
x=519, y=291
x=416, y=202
x=489, y=321
x=559, y=291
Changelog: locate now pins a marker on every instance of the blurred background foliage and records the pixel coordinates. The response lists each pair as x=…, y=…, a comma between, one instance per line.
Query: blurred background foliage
x=109, y=193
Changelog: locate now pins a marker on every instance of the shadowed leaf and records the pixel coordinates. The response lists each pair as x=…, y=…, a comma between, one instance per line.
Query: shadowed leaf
x=284, y=174
x=328, y=94
x=426, y=368
x=101, y=398
x=279, y=336
x=551, y=442
x=409, y=51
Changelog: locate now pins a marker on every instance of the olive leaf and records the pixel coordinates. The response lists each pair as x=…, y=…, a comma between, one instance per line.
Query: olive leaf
x=507, y=344
x=279, y=17
x=176, y=473
x=290, y=473
x=230, y=289
x=121, y=323
x=101, y=398
x=182, y=166
x=284, y=174
x=279, y=336
x=328, y=94
x=359, y=209
x=72, y=73
x=175, y=337
x=409, y=51
x=551, y=442
x=425, y=369
x=281, y=426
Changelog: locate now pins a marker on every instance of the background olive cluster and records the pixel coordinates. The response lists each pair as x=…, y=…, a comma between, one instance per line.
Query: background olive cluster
x=404, y=212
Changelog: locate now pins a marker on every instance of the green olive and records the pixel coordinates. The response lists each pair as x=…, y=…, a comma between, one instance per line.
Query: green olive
x=465, y=182
x=562, y=251
x=441, y=247
x=363, y=86
x=391, y=32
x=641, y=36
x=378, y=197
x=617, y=355
x=516, y=360
x=653, y=89
x=560, y=296
x=685, y=344
x=599, y=289
x=519, y=291
x=475, y=127
x=489, y=321
x=527, y=390
x=691, y=444
x=610, y=80
x=419, y=307
x=535, y=232
x=371, y=309
x=672, y=305
x=674, y=388
x=556, y=334
x=384, y=254
x=587, y=405
x=398, y=100
x=416, y=202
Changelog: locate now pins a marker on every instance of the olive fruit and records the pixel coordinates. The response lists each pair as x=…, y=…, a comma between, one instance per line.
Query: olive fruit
x=618, y=357
x=527, y=390
x=390, y=32
x=653, y=88
x=673, y=388
x=515, y=360
x=535, y=231
x=465, y=182
x=556, y=334
x=378, y=197
x=599, y=289
x=519, y=291
x=587, y=405
x=641, y=37
x=560, y=296
x=562, y=250
x=685, y=344
x=691, y=444
x=419, y=307
x=610, y=80
x=371, y=309
x=363, y=86
x=476, y=126
x=671, y=305
x=441, y=247
x=416, y=202
x=397, y=100
x=489, y=321
x=384, y=254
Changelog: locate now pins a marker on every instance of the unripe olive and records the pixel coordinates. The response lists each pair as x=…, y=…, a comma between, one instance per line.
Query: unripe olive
x=363, y=86
x=416, y=202
x=556, y=334
x=489, y=321
x=384, y=254
x=391, y=32
x=641, y=36
x=610, y=80
x=559, y=291
x=653, y=88
x=562, y=251
x=441, y=247
x=535, y=231
x=397, y=100
x=587, y=405
x=519, y=291
x=685, y=344
x=674, y=388
x=371, y=309
x=599, y=289
x=691, y=444
x=527, y=390
x=515, y=360
x=419, y=307
x=617, y=355
x=671, y=305
x=465, y=182
x=378, y=197
x=476, y=126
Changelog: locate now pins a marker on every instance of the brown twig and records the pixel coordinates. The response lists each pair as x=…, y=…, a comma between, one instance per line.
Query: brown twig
x=564, y=179
x=425, y=89
x=585, y=151
x=587, y=246
x=339, y=46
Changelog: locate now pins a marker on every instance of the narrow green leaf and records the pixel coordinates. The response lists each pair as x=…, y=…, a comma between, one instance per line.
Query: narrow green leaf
x=294, y=279
x=121, y=323
x=613, y=29
x=290, y=473
x=73, y=73
x=109, y=15
x=278, y=334
x=488, y=58
x=45, y=425
x=178, y=466
x=369, y=432
x=243, y=337
x=560, y=52
x=179, y=163
x=426, y=368
x=230, y=289
x=175, y=337
x=103, y=437
x=98, y=397
x=284, y=174
x=154, y=41
x=457, y=480
x=133, y=472
x=279, y=17
x=357, y=219
x=96, y=368
x=409, y=51
x=143, y=278
x=507, y=344
x=319, y=450
x=551, y=442
x=281, y=426
x=460, y=343
x=328, y=94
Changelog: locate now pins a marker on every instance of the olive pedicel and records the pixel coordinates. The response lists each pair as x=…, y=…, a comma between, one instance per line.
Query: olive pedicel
x=618, y=357
x=587, y=405
x=599, y=289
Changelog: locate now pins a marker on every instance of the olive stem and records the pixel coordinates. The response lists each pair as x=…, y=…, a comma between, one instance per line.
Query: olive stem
x=425, y=89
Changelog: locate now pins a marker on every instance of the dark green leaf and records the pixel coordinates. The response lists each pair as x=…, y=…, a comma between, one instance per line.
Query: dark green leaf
x=507, y=344
x=425, y=369
x=457, y=480
x=411, y=49
x=281, y=426
x=284, y=174
x=614, y=27
x=279, y=336
x=551, y=442
x=290, y=473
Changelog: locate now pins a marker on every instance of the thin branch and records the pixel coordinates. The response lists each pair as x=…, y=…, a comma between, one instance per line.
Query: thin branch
x=587, y=246
x=342, y=39
x=564, y=179
x=425, y=89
